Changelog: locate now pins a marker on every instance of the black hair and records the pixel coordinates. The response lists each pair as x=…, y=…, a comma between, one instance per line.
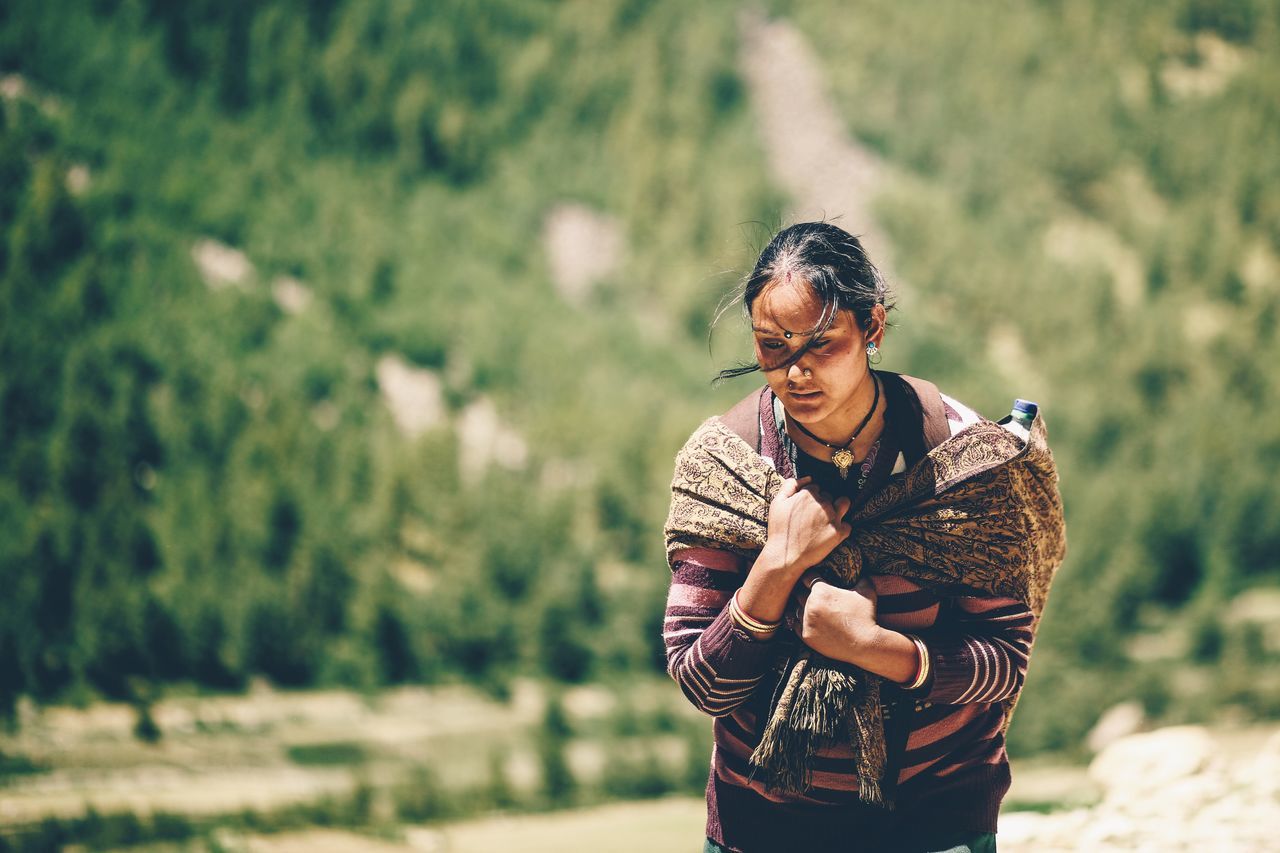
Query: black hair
x=831, y=261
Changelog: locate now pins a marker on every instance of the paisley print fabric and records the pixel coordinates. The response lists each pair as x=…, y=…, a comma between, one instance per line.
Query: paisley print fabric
x=981, y=511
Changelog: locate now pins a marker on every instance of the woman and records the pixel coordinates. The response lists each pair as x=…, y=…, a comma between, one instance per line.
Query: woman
x=858, y=564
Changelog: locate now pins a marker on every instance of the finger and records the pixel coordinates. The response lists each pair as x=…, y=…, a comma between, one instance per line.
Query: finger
x=816, y=581
x=809, y=578
x=842, y=506
x=814, y=490
x=832, y=508
x=791, y=485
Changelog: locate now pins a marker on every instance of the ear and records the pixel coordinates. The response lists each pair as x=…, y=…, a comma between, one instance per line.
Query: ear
x=875, y=328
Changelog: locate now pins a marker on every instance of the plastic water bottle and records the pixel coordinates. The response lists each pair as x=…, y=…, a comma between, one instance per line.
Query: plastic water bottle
x=1021, y=418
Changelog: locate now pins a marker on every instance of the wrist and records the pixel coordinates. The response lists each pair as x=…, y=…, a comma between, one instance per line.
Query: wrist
x=899, y=657
x=923, y=664
x=869, y=636
x=774, y=557
x=758, y=629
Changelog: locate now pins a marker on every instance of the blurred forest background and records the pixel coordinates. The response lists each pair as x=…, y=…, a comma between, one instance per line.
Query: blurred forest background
x=349, y=344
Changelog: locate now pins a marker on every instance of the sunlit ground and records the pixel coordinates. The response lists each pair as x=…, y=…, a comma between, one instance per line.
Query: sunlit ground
x=233, y=766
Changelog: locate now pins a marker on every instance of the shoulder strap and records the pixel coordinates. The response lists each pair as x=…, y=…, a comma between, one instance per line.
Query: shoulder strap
x=744, y=419
x=934, y=414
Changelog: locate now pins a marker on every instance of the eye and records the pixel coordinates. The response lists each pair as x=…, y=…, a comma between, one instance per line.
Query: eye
x=819, y=344
x=772, y=345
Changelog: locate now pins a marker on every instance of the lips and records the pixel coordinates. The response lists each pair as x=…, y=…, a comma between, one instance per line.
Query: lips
x=805, y=395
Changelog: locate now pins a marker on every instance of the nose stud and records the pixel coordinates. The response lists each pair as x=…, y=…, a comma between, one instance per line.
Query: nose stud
x=807, y=373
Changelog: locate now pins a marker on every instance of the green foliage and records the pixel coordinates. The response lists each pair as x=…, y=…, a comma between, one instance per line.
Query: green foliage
x=498, y=791
x=161, y=457
x=697, y=765
x=145, y=728
x=197, y=484
x=97, y=831
x=631, y=777
x=18, y=765
x=422, y=797
x=551, y=741
x=1235, y=19
x=329, y=753
x=1071, y=195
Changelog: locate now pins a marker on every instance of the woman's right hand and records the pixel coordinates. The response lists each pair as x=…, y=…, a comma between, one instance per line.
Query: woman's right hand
x=804, y=526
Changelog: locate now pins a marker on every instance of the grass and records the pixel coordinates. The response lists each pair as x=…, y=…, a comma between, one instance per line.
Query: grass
x=327, y=754
x=274, y=761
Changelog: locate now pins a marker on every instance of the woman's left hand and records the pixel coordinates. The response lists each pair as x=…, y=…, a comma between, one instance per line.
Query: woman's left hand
x=832, y=621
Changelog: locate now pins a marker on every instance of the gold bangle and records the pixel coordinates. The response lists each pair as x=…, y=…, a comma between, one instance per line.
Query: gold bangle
x=750, y=629
x=922, y=673
x=746, y=622
x=753, y=625
x=751, y=620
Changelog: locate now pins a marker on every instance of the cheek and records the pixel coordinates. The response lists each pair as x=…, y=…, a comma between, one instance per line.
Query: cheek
x=837, y=351
x=843, y=347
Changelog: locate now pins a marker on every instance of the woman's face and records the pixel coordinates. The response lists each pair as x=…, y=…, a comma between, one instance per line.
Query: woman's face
x=838, y=375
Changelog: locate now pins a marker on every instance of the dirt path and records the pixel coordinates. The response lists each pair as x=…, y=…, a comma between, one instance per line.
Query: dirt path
x=828, y=174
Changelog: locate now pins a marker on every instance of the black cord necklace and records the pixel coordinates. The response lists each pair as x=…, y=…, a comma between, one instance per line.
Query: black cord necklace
x=841, y=455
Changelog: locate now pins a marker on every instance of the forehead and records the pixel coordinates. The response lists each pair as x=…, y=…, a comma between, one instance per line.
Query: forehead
x=790, y=306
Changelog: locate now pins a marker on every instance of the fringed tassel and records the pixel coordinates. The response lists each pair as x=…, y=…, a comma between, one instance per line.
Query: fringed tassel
x=867, y=734
x=819, y=706
x=771, y=754
x=822, y=704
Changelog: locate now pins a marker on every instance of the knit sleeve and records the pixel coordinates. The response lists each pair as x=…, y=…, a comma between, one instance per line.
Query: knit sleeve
x=982, y=655
x=715, y=662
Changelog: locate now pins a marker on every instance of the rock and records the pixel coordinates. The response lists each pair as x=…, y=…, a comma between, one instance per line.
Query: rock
x=483, y=440
x=1084, y=243
x=1263, y=772
x=1142, y=764
x=291, y=295
x=78, y=179
x=1216, y=63
x=1174, y=789
x=414, y=395
x=220, y=265
x=1119, y=721
x=1260, y=269
x=13, y=87
x=583, y=247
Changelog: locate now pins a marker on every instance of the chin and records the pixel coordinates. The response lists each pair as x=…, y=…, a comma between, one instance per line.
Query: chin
x=808, y=411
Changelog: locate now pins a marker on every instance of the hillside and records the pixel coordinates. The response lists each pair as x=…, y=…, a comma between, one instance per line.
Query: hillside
x=349, y=344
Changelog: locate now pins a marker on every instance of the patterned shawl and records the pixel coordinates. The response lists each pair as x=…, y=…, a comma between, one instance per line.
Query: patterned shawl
x=980, y=512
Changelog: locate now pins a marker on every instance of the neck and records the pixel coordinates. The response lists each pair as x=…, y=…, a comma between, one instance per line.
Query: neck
x=839, y=426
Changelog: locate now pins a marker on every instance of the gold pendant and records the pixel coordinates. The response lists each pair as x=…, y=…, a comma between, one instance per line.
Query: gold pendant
x=842, y=459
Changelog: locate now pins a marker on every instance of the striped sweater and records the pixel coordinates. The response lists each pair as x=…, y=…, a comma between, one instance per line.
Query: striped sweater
x=947, y=759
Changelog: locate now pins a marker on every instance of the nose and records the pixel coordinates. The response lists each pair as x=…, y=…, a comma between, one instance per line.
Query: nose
x=795, y=372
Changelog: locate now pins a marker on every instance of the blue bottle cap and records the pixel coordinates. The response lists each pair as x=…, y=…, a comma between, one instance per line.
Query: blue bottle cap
x=1026, y=407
